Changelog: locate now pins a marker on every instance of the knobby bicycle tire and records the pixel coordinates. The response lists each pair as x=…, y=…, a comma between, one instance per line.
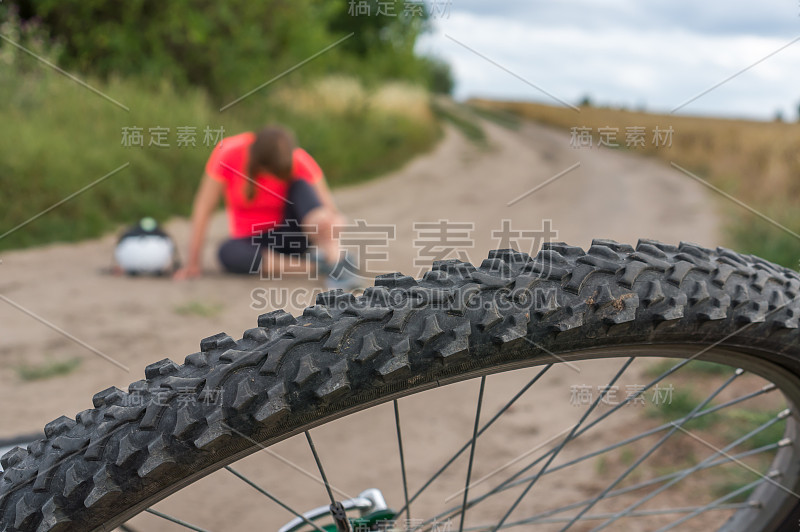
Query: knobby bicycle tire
x=401, y=336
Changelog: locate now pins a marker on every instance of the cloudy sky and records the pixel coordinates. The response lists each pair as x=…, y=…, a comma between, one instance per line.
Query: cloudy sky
x=654, y=54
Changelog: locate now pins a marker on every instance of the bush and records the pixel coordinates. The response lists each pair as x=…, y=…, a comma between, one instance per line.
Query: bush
x=229, y=47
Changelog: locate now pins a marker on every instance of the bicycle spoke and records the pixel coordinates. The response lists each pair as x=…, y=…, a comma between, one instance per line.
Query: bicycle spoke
x=337, y=510
x=285, y=461
x=512, y=462
x=646, y=433
x=691, y=470
x=175, y=520
x=483, y=429
x=319, y=466
x=563, y=443
x=274, y=499
x=653, y=449
x=641, y=513
x=627, y=400
x=657, y=480
x=705, y=464
x=514, y=480
x=715, y=504
x=472, y=453
x=402, y=458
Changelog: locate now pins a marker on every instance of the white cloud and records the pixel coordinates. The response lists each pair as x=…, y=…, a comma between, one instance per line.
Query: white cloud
x=628, y=59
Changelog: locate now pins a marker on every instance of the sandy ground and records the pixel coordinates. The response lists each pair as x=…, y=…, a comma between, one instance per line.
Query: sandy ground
x=611, y=194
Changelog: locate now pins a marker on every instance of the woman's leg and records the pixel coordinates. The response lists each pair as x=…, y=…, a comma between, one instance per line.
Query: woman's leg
x=276, y=263
x=240, y=255
x=307, y=209
x=309, y=223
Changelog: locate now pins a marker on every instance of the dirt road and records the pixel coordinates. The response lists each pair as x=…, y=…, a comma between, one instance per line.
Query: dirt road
x=134, y=321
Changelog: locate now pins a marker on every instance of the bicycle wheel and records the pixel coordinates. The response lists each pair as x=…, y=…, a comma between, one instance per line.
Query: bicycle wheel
x=404, y=336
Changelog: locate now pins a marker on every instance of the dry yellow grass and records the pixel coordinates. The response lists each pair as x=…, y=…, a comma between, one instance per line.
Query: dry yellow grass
x=402, y=99
x=341, y=95
x=334, y=94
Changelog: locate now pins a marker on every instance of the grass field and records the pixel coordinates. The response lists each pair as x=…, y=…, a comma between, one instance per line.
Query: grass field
x=758, y=163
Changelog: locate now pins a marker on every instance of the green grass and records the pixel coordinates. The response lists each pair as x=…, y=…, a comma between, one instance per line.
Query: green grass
x=756, y=236
x=731, y=479
x=197, y=308
x=695, y=367
x=736, y=424
x=681, y=405
x=601, y=465
x=468, y=125
x=627, y=456
x=498, y=116
x=731, y=424
x=47, y=369
x=742, y=421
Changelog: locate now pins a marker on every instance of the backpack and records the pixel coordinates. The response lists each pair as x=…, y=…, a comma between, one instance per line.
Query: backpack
x=146, y=249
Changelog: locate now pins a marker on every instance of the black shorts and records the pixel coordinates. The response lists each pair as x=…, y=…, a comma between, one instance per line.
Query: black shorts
x=243, y=255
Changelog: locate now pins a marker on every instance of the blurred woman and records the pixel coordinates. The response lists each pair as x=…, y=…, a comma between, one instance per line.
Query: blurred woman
x=280, y=210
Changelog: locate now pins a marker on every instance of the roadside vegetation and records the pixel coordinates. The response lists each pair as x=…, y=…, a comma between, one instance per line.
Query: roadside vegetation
x=199, y=309
x=48, y=369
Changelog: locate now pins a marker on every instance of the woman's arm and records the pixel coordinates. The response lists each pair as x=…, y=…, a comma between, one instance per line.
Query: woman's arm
x=324, y=193
x=205, y=201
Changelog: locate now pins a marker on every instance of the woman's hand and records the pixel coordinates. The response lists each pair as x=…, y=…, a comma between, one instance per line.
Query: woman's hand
x=191, y=271
x=205, y=200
